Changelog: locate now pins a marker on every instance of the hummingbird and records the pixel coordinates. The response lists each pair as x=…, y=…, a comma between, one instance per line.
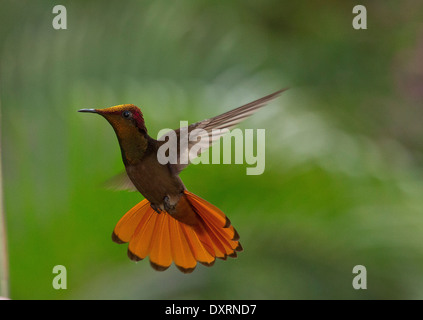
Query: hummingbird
x=171, y=224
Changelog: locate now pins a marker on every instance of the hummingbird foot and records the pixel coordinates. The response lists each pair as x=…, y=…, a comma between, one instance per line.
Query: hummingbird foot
x=155, y=208
x=169, y=208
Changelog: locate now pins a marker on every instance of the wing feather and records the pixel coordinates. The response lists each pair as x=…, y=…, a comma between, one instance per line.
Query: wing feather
x=224, y=122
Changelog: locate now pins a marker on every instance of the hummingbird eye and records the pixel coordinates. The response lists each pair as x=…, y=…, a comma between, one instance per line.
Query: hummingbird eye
x=126, y=114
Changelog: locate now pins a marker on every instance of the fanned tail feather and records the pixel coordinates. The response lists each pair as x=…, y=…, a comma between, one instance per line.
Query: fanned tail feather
x=166, y=239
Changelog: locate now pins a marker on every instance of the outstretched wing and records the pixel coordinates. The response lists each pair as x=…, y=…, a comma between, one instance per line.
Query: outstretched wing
x=210, y=130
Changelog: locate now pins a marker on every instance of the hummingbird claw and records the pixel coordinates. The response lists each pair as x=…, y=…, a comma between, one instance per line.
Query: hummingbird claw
x=155, y=208
x=167, y=205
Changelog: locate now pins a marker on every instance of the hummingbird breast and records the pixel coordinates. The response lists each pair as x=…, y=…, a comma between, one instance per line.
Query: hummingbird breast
x=155, y=181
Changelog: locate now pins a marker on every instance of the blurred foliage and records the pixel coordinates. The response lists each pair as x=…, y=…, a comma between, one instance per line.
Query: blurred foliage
x=343, y=178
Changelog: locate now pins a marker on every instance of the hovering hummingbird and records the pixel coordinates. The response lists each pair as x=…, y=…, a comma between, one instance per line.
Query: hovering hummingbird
x=171, y=223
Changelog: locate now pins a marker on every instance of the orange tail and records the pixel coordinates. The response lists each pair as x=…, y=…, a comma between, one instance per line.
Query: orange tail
x=165, y=238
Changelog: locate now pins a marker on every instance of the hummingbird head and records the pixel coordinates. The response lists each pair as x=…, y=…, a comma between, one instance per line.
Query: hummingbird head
x=124, y=118
x=129, y=126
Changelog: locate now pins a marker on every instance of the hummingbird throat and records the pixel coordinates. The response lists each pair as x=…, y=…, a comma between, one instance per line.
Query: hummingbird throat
x=133, y=145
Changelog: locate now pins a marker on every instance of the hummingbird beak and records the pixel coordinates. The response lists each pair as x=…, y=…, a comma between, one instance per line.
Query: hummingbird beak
x=88, y=110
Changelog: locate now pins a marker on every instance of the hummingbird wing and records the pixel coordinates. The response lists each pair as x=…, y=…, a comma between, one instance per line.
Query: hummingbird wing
x=213, y=129
x=119, y=182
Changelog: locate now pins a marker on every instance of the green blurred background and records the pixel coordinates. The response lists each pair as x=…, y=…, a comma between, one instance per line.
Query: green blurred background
x=344, y=150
